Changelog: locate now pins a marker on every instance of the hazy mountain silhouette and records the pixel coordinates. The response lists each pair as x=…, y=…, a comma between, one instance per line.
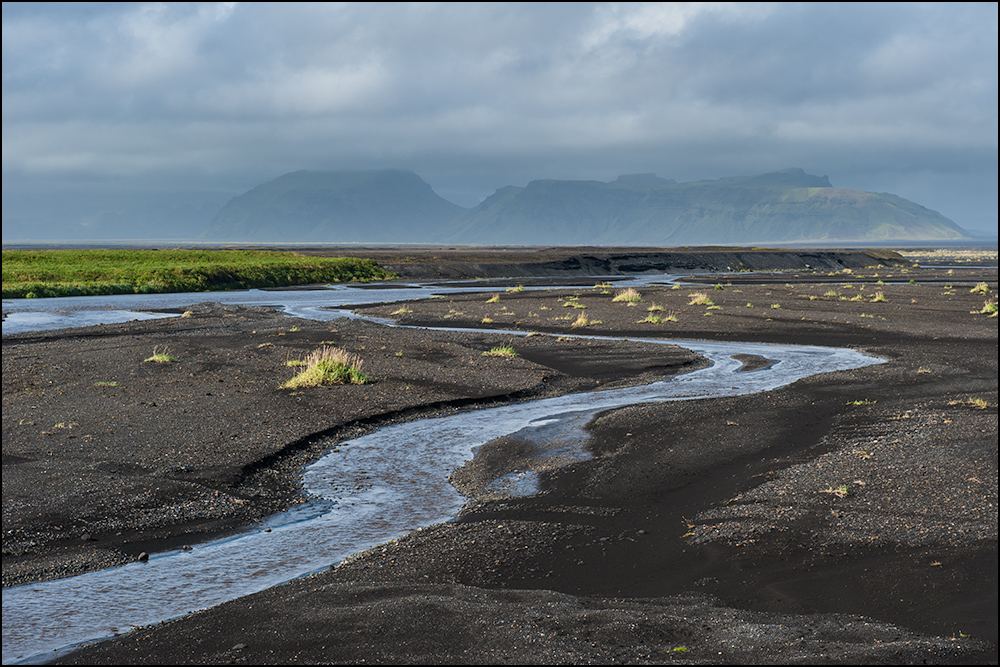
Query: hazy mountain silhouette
x=393, y=206
x=386, y=206
x=784, y=206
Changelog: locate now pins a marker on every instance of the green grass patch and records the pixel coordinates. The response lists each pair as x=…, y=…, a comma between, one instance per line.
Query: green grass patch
x=329, y=365
x=52, y=273
x=658, y=319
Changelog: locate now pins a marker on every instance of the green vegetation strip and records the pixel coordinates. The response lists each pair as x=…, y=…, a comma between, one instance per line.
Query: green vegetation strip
x=50, y=273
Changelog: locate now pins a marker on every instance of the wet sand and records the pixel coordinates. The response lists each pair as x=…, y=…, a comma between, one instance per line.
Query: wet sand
x=850, y=517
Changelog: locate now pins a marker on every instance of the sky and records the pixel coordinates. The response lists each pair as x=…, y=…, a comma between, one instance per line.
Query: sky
x=136, y=97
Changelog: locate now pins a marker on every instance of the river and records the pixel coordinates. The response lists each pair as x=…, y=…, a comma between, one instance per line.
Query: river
x=360, y=498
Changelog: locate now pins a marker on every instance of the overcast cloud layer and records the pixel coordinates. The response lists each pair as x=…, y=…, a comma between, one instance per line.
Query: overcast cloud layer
x=884, y=97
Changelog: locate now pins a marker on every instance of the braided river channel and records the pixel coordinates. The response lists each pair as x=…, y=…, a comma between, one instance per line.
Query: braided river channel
x=377, y=488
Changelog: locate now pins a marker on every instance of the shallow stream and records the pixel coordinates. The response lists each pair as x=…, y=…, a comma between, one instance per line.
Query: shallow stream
x=370, y=490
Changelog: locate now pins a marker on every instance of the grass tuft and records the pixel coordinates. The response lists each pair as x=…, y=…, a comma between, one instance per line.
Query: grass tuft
x=630, y=295
x=840, y=491
x=159, y=357
x=659, y=319
x=980, y=288
x=329, y=365
x=501, y=351
x=699, y=299
x=977, y=403
x=989, y=308
x=866, y=401
x=582, y=321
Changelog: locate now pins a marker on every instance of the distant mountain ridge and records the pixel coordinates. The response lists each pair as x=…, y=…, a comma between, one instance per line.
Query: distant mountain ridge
x=396, y=206
x=385, y=206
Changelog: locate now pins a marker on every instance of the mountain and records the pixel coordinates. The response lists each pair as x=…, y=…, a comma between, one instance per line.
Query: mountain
x=394, y=206
x=781, y=207
x=384, y=206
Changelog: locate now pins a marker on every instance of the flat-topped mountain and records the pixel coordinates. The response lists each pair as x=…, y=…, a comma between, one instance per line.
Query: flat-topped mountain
x=786, y=206
x=393, y=206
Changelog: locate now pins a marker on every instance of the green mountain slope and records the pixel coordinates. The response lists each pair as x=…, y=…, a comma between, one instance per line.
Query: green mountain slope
x=385, y=206
x=785, y=206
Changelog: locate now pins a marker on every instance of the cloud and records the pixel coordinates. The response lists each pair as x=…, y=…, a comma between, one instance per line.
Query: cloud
x=477, y=96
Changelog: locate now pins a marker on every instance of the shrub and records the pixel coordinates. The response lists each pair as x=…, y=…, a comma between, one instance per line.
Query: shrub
x=329, y=365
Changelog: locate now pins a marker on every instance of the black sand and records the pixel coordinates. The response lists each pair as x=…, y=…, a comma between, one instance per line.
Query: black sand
x=712, y=531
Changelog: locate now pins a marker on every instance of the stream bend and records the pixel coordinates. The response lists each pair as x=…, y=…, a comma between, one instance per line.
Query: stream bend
x=372, y=489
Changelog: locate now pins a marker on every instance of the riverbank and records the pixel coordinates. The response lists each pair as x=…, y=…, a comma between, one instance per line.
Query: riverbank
x=712, y=531
x=107, y=456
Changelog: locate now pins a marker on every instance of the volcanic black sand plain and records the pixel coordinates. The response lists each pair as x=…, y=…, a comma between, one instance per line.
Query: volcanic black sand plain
x=850, y=517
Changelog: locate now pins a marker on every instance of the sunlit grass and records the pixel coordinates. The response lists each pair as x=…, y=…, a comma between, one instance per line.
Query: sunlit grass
x=51, y=273
x=629, y=296
x=161, y=357
x=501, y=351
x=329, y=365
x=699, y=299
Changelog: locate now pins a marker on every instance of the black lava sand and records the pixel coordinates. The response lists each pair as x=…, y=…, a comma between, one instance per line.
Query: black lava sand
x=850, y=517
